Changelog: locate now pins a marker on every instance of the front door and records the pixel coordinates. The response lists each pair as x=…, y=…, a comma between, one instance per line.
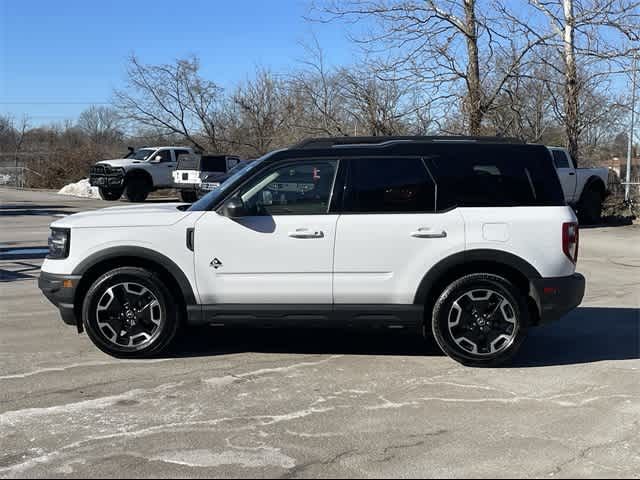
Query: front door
x=281, y=250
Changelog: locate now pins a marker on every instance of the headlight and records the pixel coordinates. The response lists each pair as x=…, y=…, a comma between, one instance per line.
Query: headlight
x=59, y=243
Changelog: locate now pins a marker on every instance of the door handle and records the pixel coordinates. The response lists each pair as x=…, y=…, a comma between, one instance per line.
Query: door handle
x=572, y=173
x=428, y=233
x=306, y=233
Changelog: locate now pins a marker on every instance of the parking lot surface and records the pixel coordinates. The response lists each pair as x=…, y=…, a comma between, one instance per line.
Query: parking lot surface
x=316, y=404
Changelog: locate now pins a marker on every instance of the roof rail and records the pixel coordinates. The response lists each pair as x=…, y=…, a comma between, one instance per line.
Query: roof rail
x=329, y=142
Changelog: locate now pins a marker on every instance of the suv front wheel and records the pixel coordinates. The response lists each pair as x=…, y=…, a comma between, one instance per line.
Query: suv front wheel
x=480, y=320
x=129, y=313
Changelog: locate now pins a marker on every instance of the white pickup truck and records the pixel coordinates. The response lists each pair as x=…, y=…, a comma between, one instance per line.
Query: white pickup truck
x=584, y=188
x=139, y=173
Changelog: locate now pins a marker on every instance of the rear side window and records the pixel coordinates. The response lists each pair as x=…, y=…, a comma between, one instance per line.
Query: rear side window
x=389, y=185
x=560, y=159
x=177, y=153
x=211, y=163
x=495, y=176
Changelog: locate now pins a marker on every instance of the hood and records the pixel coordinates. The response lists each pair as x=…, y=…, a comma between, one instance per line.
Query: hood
x=161, y=214
x=121, y=162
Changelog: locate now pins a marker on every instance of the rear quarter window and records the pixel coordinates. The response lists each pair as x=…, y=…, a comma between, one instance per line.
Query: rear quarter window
x=494, y=176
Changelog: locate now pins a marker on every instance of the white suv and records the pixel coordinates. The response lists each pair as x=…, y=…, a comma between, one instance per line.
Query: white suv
x=466, y=238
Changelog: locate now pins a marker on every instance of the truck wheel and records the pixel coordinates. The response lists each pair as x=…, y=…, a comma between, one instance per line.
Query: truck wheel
x=188, y=196
x=129, y=313
x=137, y=189
x=480, y=320
x=110, y=195
x=590, y=207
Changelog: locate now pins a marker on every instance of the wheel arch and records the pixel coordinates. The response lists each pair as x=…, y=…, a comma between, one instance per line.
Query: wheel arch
x=98, y=263
x=139, y=173
x=513, y=268
x=595, y=182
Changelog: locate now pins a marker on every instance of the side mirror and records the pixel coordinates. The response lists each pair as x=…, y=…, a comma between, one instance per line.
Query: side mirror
x=157, y=159
x=234, y=208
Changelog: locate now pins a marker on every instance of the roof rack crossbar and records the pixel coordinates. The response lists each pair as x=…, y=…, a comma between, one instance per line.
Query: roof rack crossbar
x=330, y=142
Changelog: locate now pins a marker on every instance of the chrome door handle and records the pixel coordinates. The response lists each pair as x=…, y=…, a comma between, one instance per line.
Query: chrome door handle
x=306, y=233
x=425, y=233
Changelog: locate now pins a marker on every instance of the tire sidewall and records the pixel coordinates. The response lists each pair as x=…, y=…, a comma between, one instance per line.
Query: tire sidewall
x=440, y=318
x=110, y=195
x=146, y=279
x=137, y=190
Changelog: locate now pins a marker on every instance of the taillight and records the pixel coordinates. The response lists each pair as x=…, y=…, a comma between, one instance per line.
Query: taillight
x=570, y=240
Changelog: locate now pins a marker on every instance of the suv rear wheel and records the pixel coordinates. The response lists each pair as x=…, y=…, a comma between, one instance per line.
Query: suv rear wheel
x=590, y=207
x=480, y=320
x=188, y=196
x=129, y=313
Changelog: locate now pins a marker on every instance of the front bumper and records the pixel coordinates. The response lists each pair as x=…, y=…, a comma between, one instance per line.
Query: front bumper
x=106, y=177
x=60, y=290
x=557, y=296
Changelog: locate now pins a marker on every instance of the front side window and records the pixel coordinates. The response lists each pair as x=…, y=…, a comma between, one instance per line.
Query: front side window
x=166, y=156
x=302, y=188
x=389, y=185
x=143, y=154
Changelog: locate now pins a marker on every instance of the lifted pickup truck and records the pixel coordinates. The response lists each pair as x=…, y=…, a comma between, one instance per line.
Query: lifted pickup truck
x=139, y=173
x=193, y=169
x=584, y=188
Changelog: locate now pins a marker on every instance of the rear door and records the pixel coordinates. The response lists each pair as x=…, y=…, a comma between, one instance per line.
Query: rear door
x=566, y=174
x=389, y=235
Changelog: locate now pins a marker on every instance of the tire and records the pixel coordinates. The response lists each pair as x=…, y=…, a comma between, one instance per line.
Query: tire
x=590, y=207
x=188, y=196
x=110, y=195
x=465, y=334
x=136, y=302
x=137, y=189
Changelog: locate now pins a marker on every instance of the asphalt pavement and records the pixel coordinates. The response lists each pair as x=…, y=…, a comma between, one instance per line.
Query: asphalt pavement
x=316, y=404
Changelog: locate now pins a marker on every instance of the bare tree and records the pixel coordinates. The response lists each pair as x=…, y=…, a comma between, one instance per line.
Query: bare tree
x=101, y=124
x=262, y=113
x=447, y=46
x=173, y=99
x=589, y=41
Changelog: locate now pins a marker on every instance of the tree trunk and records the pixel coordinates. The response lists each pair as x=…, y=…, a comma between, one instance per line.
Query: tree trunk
x=571, y=91
x=474, y=99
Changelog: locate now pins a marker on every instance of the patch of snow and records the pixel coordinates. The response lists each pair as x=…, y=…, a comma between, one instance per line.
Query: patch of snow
x=80, y=189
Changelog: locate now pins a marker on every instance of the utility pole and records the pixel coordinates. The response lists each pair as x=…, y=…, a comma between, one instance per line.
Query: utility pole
x=627, y=185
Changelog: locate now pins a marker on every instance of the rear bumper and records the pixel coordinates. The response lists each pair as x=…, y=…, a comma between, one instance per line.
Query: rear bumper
x=557, y=296
x=60, y=294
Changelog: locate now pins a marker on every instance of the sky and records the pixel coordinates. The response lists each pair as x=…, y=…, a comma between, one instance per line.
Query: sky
x=59, y=57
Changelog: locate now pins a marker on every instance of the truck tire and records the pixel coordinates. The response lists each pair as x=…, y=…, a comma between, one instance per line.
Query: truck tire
x=137, y=189
x=480, y=320
x=188, y=196
x=590, y=207
x=110, y=195
x=130, y=313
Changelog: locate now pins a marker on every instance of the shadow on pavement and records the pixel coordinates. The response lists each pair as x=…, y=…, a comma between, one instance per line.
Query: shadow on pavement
x=23, y=253
x=587, y=335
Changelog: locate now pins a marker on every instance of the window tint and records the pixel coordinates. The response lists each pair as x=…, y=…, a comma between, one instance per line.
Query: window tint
x=210, y=163
x=296, y=189
x=499, y=176
x=560, y=159
x=401, y=185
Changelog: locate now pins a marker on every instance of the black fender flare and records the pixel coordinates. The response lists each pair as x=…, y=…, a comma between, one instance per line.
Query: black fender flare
x=497, y=257
x=151, y=256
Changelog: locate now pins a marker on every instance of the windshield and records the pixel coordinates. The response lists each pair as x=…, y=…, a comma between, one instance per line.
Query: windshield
x=212, y=196
x=141, y=154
